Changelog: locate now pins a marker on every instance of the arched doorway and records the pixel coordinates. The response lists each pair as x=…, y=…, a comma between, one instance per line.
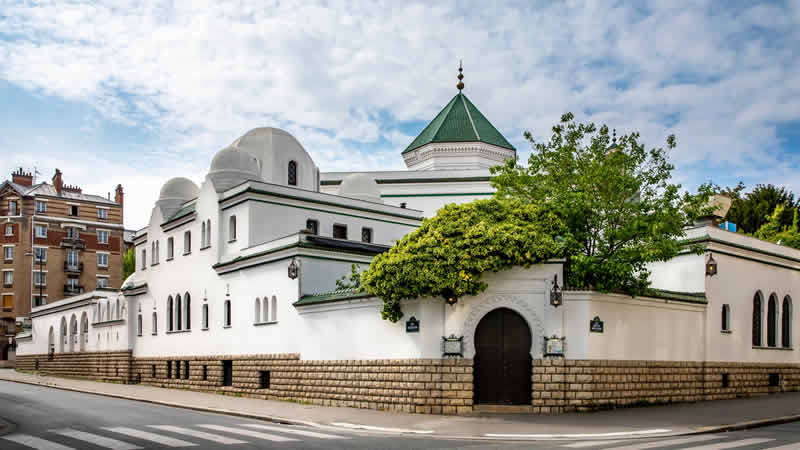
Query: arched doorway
x=503, y=359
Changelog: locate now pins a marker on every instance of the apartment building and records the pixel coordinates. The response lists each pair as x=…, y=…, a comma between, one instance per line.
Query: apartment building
x=57, y=242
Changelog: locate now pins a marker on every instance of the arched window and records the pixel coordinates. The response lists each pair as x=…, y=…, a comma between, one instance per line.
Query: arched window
x=292, y=173
x=73, y=332
x=116, y=310
x=205, y=316
x=187, y=242
x=155, y=323
x=203, y=235
x=178, y=317
x=772, y=321
x=169, y=314
x=726, y=317
x=257, y=313
x=232, y=228
x=108, y=311
x=152, y=253
x=51, y=341
x=84, y=338
x=187, y=306
x=170, y=248
x=62, y=335
x=274, y=309
x=786, y=322
x=265, y=311
x=757, y=313
x=158, y=251
x=139, y=325
x=208, y=233
x=227, y=313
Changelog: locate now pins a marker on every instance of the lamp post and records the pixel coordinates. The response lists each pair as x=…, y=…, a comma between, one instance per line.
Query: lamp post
x=41, y=263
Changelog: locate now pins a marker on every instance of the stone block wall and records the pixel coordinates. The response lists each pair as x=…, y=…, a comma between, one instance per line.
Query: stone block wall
x=560, y=385
x=432, y=386
x=102, y=366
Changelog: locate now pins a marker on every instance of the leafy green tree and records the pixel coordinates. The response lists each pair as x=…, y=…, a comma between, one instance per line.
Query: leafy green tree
x=128, y=263
x=615, y=198
x=448, y=255
x=774, y=231
x=752, y=210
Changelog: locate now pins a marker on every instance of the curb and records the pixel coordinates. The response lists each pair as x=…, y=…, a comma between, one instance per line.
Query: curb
x=6, y=427
x=286, y=421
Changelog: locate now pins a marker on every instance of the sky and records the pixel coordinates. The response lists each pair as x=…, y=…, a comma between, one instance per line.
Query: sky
x=136, y=92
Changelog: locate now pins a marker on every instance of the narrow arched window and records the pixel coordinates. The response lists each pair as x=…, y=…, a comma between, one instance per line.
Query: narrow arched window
x=152, y=253
x=726, y=317
x=232, y=229
x=292, y=173
x=155, y=323
x=786, y=322
x=158, y=251
x=265, y=315
x=274, y=309
x=257, y=312
x=227, y=313
x=178, y=317
x=139, y=325
x=187, y=306
x=208, y=233
x=187, y=242
x=772, y=321
x=757, y=306
x=169, y=314
x=205, y=316
x=203, y=235
x=116, y=310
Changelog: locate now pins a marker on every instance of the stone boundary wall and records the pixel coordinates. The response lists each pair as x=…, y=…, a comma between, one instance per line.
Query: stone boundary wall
x=431, y=386
x=102, y=366
x=560, y=385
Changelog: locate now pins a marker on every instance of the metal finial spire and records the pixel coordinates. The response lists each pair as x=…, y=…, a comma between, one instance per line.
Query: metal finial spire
x=615, y=136
x=460, y=84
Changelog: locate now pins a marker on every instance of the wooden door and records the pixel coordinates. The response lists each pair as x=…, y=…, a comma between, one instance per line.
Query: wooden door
x=502, y=359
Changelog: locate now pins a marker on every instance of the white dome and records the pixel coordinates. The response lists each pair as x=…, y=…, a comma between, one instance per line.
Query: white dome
x=360, y=186
x=231, y=166
x=275, y=149
x=178, y=188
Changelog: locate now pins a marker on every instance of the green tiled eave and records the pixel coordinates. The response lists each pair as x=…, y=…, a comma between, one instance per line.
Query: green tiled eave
x=329, y=297
x=185, y=211
x=459, y=121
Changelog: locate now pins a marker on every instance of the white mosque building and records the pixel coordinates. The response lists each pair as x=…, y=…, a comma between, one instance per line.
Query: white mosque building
x=234, y=293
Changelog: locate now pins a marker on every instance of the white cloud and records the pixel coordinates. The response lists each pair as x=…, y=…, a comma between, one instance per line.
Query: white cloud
x=198, y=74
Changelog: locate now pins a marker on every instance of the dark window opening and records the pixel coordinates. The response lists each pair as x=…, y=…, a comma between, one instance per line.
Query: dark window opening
x=340, y=231
x=366, y=235
x=177, y=370
x=227, y=372
x=772, y=321
x=757, y=320
x=186, y=370
x=205, y=372
x=312, y=226
x=169, y=369
x=73, y=210
x=153, y=371
x=36, y=365
x=292, y=173
x=403, y=205
x=725, y=380
x=774, y=379
x=264, y=379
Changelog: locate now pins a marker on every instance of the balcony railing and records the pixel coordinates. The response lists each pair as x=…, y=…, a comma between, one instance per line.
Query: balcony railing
x=73, y=243
x=72, y=290
x=73, y=267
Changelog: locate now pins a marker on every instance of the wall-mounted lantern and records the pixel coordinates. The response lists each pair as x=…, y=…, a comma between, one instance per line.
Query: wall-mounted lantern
x=293, y=269
x=449, y=297
x=711, y=266
x=556, y=296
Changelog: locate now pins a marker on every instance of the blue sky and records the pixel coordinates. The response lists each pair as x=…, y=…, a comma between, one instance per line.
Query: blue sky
x=135, y=92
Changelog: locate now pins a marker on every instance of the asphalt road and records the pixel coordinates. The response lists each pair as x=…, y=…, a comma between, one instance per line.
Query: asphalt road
x=53, y=419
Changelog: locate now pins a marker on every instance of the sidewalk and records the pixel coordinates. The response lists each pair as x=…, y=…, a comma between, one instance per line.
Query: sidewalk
x=622, y=423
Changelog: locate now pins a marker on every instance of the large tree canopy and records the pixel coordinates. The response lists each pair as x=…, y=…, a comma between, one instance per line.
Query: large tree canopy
x=754, y=209
x=450, y=252
x=615, y=198
x=774, y=230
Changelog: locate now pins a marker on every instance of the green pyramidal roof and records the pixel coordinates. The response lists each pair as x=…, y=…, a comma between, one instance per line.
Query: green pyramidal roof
x=460, y=121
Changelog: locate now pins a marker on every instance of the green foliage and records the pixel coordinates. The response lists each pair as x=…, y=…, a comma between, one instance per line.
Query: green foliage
x=774, y=231
x=128, y=263
x=752, y=210
x=450, y=252
x=353, y=281
x=617, y=202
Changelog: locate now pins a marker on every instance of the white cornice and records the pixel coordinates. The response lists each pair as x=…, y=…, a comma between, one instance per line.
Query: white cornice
x=64, y=220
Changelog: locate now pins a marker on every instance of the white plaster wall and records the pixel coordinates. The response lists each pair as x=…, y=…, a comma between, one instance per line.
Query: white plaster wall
x=683, y=273
x=318, y=276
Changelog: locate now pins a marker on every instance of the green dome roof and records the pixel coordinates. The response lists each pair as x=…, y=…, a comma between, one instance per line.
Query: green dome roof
x=460, y=121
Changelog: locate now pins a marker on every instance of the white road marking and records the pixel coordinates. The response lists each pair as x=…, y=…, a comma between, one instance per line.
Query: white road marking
x=580, y=436
x=668, y=442
x=199, y=434
x=734, y=444
x=290, y=430
x=100, y=441
x=371, y=428
x=250, y=433
x=147, y=436
x=794, y=446
x=35, y=442
x=590, y=444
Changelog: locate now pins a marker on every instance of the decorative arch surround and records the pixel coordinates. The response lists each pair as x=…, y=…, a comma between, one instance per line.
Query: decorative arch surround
x=62, y=335
x=84, y=337
x=786, y=322
x=257, y=313
x=772, y=321
x=187, y=311
x=758, y=321
x=169, y=314
x=178, y=313
x=513, y=302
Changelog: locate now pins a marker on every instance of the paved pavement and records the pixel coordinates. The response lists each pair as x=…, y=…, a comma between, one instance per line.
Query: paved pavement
x=624, y=423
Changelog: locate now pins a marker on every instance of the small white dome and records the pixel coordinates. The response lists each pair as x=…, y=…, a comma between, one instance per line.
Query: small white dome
x=231, y=166
x=276, y=149
x=178, y=188
x=360, y=186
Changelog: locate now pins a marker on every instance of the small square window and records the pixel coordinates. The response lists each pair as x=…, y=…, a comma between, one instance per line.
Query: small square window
x=102, y=213
x=340, y=231
x=8, y=253
x=102, y=282
x=102, y=260
x=73, y=210
x=12, y=208
x=9, y=230
x=41, y=207
x=366, y=235
x=312, y=226
x=41, y=231
x=102, y=237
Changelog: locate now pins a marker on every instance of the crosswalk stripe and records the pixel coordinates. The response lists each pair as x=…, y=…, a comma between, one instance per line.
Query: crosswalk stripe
x=100, y=441
x=590, y=444
x=250, y=433
x=731, y=444
x=290, y=430
x=147, y=436
x=35, y=442
x=199, y=434
x=667, y=443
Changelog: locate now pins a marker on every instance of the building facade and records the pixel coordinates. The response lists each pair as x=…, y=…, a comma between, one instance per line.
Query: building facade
x=234, y=293
x=57, y=242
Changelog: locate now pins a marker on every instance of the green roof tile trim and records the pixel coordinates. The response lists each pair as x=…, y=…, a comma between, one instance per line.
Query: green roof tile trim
x=185, y=211
x=460, y=121
x=692, y=297
x=329, y=297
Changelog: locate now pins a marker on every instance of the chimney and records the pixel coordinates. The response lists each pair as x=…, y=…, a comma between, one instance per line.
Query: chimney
x=22, y=178
x=119, y=197
x=57, y=183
